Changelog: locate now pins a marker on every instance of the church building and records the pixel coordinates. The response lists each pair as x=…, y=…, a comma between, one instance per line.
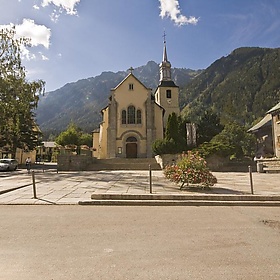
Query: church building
x=135, y=117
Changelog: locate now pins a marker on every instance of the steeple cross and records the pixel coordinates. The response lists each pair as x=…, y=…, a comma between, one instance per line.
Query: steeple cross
x=164, y=37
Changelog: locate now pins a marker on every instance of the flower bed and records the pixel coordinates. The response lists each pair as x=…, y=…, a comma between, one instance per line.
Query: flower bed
x=191, y=169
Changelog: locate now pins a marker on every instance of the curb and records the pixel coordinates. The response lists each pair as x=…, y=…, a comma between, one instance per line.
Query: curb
x=181, y=200
x=178, y=203
x=206, y=197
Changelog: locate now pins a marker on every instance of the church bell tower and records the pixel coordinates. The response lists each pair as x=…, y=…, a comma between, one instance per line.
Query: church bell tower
x=167, y=93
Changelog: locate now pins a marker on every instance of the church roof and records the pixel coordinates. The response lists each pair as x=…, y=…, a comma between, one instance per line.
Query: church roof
x=275, y=108
x=129, y=75
x=266, y=121
x=164, y=58
x=167, y=84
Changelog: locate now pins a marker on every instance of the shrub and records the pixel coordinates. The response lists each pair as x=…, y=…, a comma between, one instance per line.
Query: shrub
x=215, y=148
x=236, y=137
x=191, y=169
x=164, y=146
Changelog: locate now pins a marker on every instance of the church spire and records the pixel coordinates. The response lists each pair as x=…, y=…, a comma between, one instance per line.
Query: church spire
x=165, y=66
x=164, y=48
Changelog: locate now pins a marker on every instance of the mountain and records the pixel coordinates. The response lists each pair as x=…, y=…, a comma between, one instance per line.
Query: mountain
x=82, y=101
x=240, y=87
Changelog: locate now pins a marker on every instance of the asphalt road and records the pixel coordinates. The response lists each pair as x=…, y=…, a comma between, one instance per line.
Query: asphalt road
x=87, y=242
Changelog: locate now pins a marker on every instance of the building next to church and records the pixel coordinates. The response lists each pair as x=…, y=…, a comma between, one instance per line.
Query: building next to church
x=135, y=117
x=267, y=132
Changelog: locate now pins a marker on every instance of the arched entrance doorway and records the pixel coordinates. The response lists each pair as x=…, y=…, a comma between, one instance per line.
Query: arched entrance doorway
x=131, y=147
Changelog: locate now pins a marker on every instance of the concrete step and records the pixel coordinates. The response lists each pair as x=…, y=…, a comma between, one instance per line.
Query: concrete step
x=153, y=202
x=269, y=165
x=178, y=197
x=182, y=200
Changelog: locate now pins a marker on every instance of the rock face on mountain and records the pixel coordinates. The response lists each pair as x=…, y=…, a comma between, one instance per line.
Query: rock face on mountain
x=82, y=101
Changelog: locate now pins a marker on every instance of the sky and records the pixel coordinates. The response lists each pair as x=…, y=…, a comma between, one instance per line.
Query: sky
x=78, y=39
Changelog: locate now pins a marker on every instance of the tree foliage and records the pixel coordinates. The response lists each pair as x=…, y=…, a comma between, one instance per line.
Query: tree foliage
x=236, y=137
x=18, y=97
x=208, y=149
x=208, y=126
x=175, y=137
x=239, y=87
x=232, y=142
x=164, y=146
x=74, y=136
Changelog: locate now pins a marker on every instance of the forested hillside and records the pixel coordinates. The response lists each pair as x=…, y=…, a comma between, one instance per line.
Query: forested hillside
x=240, y=87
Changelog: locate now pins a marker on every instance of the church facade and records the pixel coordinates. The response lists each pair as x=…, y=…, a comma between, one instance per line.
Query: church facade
x=135, y=117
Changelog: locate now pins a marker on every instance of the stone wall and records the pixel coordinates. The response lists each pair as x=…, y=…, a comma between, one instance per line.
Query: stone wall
x=214, y=163
x=167, y=159
x=74, y=162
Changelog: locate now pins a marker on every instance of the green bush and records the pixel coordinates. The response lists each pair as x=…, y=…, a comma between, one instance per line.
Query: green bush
x=215, y=148
x=191, y=169
x=236, y=136
x=165, y=146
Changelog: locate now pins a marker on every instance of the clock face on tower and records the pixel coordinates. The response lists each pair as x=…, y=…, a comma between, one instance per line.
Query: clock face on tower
x=169, y=101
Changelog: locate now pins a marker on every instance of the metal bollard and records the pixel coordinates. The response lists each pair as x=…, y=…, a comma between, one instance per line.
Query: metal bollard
x=150, y=175
x=34, y=185
x=251, y=179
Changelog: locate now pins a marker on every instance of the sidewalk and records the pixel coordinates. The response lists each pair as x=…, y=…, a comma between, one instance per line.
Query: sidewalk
x=72, y=187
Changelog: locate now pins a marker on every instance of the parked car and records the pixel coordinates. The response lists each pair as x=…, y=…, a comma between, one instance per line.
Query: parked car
x=7, y=164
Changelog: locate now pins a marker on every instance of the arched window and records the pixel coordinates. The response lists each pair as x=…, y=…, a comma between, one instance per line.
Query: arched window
x=131, y=139
x=139, y=117
x=123, y=116
x=131, y=115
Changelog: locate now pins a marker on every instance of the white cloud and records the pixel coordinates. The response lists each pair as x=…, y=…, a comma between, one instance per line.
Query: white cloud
x=38, y=35
x=67, y=5
x=43, y=57
x=171, y=8
x=55, y=16
x=36, y=7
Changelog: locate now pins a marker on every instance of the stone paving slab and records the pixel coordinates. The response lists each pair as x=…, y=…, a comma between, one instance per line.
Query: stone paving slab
x=72, y=187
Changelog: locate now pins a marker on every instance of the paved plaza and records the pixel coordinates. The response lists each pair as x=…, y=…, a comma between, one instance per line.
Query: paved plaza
x=72, y=187
x=39, y=241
